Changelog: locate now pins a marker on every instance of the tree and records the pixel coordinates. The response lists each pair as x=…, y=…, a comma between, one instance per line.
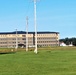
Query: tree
x=68, y=41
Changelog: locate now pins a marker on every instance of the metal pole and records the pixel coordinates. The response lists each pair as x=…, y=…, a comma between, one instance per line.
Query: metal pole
x=27, y=33
x=16, y=40
x=35, y=27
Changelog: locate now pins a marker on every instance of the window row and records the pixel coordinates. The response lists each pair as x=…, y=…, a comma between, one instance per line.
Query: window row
x=47, y=41
x=48, y=38
x=10, y=38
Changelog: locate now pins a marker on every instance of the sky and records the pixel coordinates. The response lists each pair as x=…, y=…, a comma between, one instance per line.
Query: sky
x=52, y=15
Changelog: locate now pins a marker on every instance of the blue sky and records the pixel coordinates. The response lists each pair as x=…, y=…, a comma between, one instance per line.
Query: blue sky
x=52, y=15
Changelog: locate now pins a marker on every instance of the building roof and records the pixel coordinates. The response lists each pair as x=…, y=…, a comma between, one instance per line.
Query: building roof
x=23, y=32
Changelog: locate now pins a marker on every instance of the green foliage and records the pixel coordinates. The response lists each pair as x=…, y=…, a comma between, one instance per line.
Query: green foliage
x=68, y=41
x=51, y=61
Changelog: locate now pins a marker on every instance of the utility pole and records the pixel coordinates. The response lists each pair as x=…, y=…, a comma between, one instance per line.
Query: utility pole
x=27, y=33
x=35, y=27
x=16, y=40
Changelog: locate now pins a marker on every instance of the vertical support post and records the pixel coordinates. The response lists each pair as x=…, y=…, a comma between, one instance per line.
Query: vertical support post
x=16, y=40
x=27, y=33
x=35, y=27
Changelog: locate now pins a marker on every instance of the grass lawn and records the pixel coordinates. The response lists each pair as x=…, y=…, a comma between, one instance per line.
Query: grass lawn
x=57, y=61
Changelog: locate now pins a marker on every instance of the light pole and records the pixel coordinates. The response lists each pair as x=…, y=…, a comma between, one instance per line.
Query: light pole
x=27, y=33
x=16, y=40
x=35, y=27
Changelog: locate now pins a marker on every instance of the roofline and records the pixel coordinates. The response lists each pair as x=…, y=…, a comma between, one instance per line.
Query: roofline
x=23, y=32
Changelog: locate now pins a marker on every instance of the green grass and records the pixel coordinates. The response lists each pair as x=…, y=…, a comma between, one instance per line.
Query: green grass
x=53, y=61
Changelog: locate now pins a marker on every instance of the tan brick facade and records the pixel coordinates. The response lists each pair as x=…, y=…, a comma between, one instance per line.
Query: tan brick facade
x=43, y=39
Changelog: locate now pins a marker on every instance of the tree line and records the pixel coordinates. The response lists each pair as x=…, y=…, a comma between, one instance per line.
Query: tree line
x=68, y=41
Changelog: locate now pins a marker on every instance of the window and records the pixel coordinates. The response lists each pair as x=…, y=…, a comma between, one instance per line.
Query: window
x=23, y=38
x=23, y=35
